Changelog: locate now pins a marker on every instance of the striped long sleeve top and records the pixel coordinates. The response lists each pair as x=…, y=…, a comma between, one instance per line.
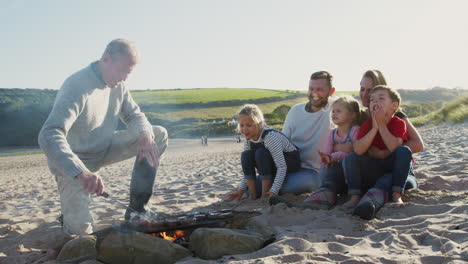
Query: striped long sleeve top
x=276, y=143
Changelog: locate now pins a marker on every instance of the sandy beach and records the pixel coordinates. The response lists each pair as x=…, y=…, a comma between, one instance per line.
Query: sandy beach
x=431, y=228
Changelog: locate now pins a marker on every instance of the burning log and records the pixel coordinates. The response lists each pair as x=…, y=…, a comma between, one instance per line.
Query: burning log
x=188, y=221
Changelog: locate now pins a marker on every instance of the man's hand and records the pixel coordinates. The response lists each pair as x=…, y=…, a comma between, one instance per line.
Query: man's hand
x=237, y=195
x=148, y=149
x=91, y=183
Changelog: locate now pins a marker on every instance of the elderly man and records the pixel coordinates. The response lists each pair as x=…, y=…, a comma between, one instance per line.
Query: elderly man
x=79, y=137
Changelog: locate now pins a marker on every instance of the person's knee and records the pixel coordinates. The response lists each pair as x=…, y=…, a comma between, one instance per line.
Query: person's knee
x=262, y=156
x=161, y=138
x=403, y=151
x=247, y=156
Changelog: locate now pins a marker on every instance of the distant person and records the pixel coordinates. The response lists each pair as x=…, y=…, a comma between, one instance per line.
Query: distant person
x=308, y=125
x=79, y=136
x=206, y=141
x=203, y=140
x=266, y=150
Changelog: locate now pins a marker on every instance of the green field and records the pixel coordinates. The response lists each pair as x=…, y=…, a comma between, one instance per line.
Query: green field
x=192, y=112
x=182, y=96
x=226, y=111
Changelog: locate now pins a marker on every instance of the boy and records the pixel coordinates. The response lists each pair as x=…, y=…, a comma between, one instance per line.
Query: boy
x=381, y=137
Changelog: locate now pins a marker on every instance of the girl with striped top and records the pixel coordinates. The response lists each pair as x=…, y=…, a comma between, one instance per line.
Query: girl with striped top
x=267, y=151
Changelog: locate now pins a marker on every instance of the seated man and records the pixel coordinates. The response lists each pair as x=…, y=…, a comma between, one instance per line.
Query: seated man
x=308, y=125
x=79, y=136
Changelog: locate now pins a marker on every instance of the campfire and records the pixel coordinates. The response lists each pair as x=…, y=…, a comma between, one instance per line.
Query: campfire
x=207, y=235
x=178, y=228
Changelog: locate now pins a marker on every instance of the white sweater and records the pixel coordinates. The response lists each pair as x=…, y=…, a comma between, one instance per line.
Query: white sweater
x=85, y=115
x=309, y=132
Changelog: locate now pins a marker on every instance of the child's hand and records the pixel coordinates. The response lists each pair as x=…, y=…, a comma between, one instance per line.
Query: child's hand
x=324, y=158
x=380, y=116
x=374, y=122
x=235, y=195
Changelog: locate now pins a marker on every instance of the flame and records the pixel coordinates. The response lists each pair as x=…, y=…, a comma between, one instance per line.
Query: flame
x=171, y=236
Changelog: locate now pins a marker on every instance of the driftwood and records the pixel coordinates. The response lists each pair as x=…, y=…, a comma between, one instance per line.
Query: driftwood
x=178, y=222
x=188, y=221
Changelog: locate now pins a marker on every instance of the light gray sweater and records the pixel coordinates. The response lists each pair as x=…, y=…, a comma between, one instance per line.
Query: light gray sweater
x=309, y=132
x=85, y=115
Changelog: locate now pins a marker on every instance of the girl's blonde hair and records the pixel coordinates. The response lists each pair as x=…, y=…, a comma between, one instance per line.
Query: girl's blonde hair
x=351, y=104
x=254, y=112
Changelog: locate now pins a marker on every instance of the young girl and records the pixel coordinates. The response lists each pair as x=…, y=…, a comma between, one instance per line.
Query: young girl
x=266, y=150
x=345, y=113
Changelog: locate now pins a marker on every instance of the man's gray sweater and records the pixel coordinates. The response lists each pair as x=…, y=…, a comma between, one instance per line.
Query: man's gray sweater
x=85, y=115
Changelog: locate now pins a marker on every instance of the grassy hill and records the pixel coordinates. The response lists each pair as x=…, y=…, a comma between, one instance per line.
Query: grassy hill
x=192, y=112
x=454, y=111
x=183, y=96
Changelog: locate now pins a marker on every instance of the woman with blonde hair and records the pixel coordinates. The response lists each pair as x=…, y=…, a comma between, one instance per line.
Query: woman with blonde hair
x=372, y=201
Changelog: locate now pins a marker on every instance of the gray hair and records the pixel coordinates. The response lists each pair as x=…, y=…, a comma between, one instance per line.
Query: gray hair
x=121, y=47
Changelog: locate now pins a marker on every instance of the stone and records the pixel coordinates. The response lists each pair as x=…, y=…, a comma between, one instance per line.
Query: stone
x=260, y=225
x=92, y=261
x=78, y=249
x=135, y=247
x=213, y=243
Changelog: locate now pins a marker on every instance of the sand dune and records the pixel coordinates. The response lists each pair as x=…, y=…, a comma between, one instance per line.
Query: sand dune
x=431, y=228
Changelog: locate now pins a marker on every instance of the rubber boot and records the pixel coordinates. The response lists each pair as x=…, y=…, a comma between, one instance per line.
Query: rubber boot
x=141, y=186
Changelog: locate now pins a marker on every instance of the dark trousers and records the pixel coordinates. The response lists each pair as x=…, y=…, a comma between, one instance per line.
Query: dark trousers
x=260, y=159
x=363, y=172
x=333, y=178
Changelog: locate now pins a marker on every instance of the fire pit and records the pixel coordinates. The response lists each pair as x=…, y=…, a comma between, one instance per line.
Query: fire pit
x=206, y=235
x=178, y=227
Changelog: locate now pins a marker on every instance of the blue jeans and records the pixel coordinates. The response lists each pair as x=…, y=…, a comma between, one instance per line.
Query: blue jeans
x=363, y=172
x=333, y=178
x=302, y=181
x=385, y=182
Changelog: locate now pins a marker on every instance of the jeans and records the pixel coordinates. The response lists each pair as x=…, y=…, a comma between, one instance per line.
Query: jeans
x=385, y=182
x=333, y=178
x=302, y=181
x=363, y=172
x=260, y=158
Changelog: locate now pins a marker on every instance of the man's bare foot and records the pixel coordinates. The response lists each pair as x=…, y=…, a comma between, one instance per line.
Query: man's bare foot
x=353, y=201
x=397, y=201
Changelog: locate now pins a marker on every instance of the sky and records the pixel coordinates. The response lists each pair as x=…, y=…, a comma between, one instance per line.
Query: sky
x=269, y=44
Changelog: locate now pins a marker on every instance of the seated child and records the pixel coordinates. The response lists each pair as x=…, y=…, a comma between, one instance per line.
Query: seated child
x=266, y=150
x=379, y=137
x=345, y=113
